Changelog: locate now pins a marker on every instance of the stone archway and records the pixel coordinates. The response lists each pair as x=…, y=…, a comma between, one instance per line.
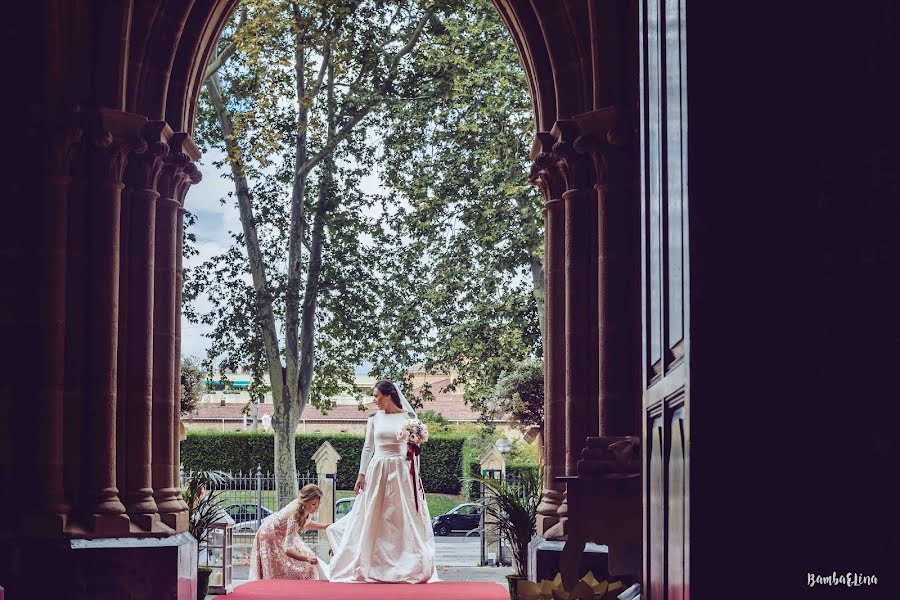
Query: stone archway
x=105, y=158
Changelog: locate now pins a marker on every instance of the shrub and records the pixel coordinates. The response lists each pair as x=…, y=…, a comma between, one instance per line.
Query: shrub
x=441, y=457
x=432, y=416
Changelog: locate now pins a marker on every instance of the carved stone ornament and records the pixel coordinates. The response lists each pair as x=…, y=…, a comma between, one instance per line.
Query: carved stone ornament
x=112, y=136
x=179, y=171
x=612, y=457
x=146, y=162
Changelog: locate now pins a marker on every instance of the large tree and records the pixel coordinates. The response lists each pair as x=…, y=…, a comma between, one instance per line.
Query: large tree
x=193, y=384
x=470, y=243
x=305, y=99
x=289, y=96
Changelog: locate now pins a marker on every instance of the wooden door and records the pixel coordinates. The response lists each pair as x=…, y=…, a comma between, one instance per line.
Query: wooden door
x=664, y=242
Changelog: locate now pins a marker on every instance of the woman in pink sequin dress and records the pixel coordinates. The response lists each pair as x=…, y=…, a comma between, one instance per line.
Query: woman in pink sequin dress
x=278, y=549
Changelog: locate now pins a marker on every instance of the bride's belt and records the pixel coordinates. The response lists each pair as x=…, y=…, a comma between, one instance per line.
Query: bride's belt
x=390, y=451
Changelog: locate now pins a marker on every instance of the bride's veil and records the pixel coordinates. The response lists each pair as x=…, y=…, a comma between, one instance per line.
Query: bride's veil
x=404, y=403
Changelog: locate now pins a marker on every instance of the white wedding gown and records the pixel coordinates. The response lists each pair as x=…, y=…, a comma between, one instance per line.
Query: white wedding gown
x=384, y=537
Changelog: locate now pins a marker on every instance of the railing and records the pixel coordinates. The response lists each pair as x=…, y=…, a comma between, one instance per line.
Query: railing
x=248, y=498
x=495, y=548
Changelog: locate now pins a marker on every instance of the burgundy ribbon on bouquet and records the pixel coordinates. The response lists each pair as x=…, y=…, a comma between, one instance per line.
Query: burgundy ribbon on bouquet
x=412, y=452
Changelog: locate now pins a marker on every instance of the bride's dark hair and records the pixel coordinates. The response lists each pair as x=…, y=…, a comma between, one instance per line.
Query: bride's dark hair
x=387, y=387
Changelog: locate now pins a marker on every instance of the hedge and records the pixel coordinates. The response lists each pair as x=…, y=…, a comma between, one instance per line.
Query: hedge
x=441, y=459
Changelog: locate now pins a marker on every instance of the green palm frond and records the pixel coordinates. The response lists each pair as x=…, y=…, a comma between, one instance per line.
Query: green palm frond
x=204, y=504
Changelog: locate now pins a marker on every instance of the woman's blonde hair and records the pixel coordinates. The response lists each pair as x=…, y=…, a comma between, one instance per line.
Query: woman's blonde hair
x=308, y=492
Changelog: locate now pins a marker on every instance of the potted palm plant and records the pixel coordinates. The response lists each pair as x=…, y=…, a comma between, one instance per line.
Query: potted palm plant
x=512, y=505
x=204, y=509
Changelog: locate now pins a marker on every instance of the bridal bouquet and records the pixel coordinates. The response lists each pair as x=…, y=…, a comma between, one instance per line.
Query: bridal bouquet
x=413, y=431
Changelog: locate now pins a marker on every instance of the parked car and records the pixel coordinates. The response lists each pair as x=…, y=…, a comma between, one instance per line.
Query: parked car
x=342, y=507
x=245, y=516
x=463, y=517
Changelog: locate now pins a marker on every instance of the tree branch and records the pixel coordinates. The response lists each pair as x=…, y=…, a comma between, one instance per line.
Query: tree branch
x=221, y=58
x=326, y=58
x=295, y=234
x=374, y=101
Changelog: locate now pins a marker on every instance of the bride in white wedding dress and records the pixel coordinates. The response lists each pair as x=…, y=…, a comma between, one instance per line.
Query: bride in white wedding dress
x=387, y=535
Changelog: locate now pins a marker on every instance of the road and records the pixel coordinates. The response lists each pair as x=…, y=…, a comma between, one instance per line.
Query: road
x=457, y=551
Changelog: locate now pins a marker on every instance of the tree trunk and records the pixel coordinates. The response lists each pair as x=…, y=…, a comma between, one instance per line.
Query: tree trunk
x=284, y=421
x=295, y=232
x=311, y=294
x=285, y=429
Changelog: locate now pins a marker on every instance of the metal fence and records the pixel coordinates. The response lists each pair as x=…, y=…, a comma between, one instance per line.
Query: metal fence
x=495, y=548
x=248, y=498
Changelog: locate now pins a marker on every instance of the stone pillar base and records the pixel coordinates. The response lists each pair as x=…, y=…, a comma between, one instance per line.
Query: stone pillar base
x=176, y=520
x=544, y=523
x=544, y=555
x=150, y=524
x=558, y=531
x=109, y=525
x=133, y=568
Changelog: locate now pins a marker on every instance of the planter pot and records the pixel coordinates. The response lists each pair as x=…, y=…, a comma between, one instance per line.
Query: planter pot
x=514, y=585
x=203, y=574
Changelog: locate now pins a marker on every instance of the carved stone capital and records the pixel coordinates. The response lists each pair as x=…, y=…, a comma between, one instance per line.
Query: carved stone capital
x=590, y=145
x=179, y=171
x=192, y=176
x=172, y=175
x=587, y=147
x=112, y=135
x=146, y=162
x=576, y=168
x=545, y=173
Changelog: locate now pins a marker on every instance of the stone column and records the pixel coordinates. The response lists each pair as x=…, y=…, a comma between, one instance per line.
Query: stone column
x=179, y=283
x=77, y=333
x=581, y=314
x=112, y=137
x=177, y=175
x=581, y=293
x=141, y=196
x=37, y=288
x=164, y=371
x=545, y=174
x=122, y=355
x=192, y=176
x=618, y=306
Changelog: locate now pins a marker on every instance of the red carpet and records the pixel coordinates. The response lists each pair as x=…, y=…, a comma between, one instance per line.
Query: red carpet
x=274, y=589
